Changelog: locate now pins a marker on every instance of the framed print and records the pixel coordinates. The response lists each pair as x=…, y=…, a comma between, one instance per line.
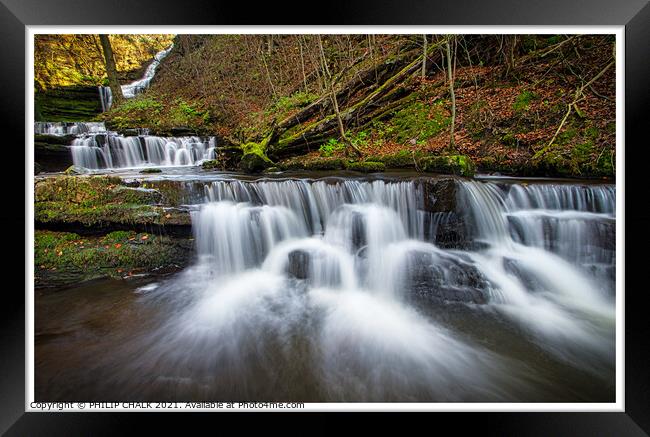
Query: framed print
x=424, y=209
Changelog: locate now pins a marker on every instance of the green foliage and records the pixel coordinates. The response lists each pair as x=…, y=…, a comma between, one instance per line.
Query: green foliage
x=419, y=121
x=77, y=59
x=332, y=145
x=460, y=165
x=523, y=100
x=358, y=139
x=285, y=104
x=185, y=114
x=210, y=165
x=145, y=110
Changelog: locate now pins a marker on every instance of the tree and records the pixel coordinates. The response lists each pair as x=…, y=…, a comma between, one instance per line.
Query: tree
x=111, y=71
x=330, y=85
x=424, y=56
x=450, y=72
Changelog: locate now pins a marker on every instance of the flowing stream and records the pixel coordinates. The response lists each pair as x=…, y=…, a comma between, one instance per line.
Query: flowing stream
x=339, y=289
x=134, y=88
x=96, y=148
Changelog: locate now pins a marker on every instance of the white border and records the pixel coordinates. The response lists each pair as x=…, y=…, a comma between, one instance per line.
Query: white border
x=619, y=31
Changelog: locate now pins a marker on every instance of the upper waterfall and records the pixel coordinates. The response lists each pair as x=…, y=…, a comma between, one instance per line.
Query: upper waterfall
x=136, y=87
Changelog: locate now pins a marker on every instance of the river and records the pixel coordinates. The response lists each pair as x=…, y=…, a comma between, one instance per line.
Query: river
x=346, y=288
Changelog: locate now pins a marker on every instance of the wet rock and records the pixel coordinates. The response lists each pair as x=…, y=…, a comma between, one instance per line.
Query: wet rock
x=210, y=165
x=366, y=166
x=440, y=194
x=442, y=279
x=52, y=156
x=96, y=203
x=182, y=131
x=525, y=277
x=75, y=170
x=129, y=132
x=254, y=163
x=298, y=266
x=460, y=165
x=62, y=140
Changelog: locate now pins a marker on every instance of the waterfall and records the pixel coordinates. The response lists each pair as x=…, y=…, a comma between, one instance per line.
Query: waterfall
x=340, y=284
x=134, y=88
x=109, y=150
x=63, y=128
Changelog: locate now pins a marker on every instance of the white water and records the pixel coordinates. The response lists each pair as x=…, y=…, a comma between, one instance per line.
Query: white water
x=61, y=128
x=110, y=150
x=134, y=88
x=303, y=284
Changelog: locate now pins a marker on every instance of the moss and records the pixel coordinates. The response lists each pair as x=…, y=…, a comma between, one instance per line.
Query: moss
x=151, y=170
x=254, y=159
x=401, y=159
x=74, y=170
x=100, y=200
x=523, y=101
x=325, y=164
x=210, y=165
x=419, y=121
x=460, y=165
x=91, y=191
x=62, y=257
x=366, y=166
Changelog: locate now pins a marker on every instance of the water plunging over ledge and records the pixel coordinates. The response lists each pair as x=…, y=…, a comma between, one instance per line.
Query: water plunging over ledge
x=110, y=150
x=136, y=87
x=337, y=290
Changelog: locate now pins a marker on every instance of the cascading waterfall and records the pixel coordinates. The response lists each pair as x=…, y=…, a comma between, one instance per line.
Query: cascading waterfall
x=550, y=263
x=72, y=128
x=110, y=150
x=334, y=290
x=136, y=87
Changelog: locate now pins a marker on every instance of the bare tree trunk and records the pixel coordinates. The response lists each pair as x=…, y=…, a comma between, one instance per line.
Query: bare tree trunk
x=268, y=72
x=302, y=62
x=111, y=71
x=424, y=57
x=452, y=143
x=335, y=103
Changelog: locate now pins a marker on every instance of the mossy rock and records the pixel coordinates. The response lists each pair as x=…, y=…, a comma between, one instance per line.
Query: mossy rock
x=61, y=140
x=210, y=165
x=254, y=163
x=273, y=170
x=151, y=170
x=460, y=165
x=326, y=164
x=66, y=258
x=401, y=159
x=101, y=201
x=75, y=170
x=367, y=166
x=254, y=159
